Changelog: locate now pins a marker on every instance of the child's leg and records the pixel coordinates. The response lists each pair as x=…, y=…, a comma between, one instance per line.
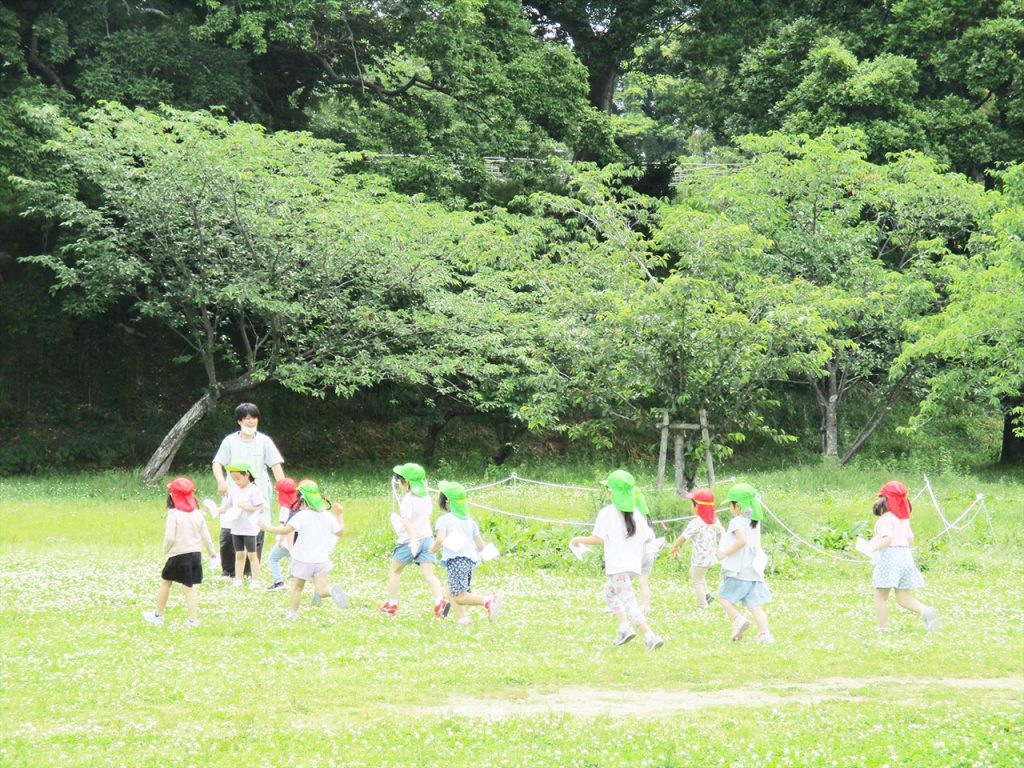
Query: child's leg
x=468, y=598
x=296, y=594
x=394, y=580
x=761, y=618
x=730, y=609
x=882, y=607
x=239, y=563
x=321, y=586
x=427, y=569
x=277, y=554
x=700, y=586
x=227, y=553
x=192, y=601
x=254, y=563
x=645, y=592
x=905, y=599
x=162, y=595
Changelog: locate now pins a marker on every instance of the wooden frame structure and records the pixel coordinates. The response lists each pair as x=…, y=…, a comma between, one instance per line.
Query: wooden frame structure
x=679, y=434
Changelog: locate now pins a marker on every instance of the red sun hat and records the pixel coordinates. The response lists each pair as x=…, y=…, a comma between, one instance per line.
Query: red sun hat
x=705, y=504
x=183, y=494
x=287, y=492
x=895, y=494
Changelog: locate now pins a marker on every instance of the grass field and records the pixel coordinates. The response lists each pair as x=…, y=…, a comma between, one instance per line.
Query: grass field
x=84, y=682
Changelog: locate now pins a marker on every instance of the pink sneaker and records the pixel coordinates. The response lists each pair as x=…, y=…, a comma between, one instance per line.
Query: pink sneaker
x=441, y=609
x=492, y=606
x=390, y=608
x=739, y=626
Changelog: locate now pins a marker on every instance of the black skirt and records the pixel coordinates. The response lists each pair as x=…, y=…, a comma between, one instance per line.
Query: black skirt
x=185, y=569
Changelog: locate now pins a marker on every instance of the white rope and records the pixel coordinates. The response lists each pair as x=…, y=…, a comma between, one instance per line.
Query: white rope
x=977, y=499
x=988, y=519
x=555, y=485
x=806, y=543
x=570, y=523
x=485, y=486
x=935, y=501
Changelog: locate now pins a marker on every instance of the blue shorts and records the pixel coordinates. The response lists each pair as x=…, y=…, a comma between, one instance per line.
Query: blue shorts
x=750, y=593
x=896, y=570
x=460, y=574
x=403, y=554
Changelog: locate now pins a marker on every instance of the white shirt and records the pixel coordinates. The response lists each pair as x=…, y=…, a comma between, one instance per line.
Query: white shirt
x=449, y=523
x=417, y=510
x=739, y=565
x=316, y=535
x=245, y=524
x=259, y=453
x=621, y=554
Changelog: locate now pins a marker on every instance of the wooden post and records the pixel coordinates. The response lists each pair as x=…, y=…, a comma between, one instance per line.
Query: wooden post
x=663, y=452
x=704, y=433
x=680, y=447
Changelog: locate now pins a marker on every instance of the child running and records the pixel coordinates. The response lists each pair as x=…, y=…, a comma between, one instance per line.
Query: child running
x=412, y=526
x=246, y=502
x=743, y=562
x=623, y=535
x=896, y=568
x=287, y=495
x=184, y=536
x=703, y=533
x=460, y=542
x=647, y=561
x=316, y=525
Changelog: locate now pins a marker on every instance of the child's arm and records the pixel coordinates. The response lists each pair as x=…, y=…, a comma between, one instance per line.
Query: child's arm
x=740, y=543
x=438, y=541
x=169, y=532
x=479, y=541
x=575, y=541
x=204, y=534
x=676, y=545
x=282, y=530
x=339, y=513
x=879, y=542
x=251, y=508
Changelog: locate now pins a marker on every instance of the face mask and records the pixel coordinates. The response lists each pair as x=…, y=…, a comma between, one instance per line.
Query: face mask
x=249, y=431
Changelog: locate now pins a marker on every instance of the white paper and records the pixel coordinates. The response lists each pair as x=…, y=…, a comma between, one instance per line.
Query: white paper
x=489, y=552
x=654, y=547
x=759, y=563
x=580, y=550
x=230, y=515
x=211, y=506
x=454, y=541
x=863, y=546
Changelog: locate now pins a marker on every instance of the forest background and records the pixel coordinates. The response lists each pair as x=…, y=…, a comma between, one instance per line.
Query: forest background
x=493, y=232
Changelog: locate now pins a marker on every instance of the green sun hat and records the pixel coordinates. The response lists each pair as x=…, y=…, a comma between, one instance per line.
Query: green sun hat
x=241, y=467
x=640, y=502
x=415, y=475
x=621, y=484
x=745, y=495
x=310, y=492
x=456, y=496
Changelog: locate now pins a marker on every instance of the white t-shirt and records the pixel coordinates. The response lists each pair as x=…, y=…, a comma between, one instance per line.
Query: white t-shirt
x=245, y=524
x=316, y=535
x=282, y=540
x=417, y=510
x=621, y=554
x=259, y=453
x=739, y=565
x=468, y=528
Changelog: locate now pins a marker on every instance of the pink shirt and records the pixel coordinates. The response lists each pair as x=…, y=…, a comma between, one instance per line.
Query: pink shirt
x=897, y=530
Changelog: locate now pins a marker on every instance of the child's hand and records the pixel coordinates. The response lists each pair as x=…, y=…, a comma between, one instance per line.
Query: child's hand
x=674, y=552
x=574, y=541
x=262, y=524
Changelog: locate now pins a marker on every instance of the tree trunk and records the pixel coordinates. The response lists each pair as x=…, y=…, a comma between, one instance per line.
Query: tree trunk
x=162, y=457
x=602, y=87
x=680, y=456
x=828, y=406
x=1012, y=451
x=875, y=422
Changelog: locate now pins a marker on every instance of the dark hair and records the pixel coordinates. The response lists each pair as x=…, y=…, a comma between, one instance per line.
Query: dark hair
x=242, y=410
x=881, y=507
x=442, y=501
x=630, y=524
x=753, y=523
x=170, y=502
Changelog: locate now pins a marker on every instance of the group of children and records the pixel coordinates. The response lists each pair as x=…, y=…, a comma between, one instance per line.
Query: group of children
x=310, y=524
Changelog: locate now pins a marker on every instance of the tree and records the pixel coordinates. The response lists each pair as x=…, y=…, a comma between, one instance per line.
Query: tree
x=263, y=255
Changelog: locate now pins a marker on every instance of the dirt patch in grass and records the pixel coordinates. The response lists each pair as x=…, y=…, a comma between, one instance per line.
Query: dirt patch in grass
x=582, y=701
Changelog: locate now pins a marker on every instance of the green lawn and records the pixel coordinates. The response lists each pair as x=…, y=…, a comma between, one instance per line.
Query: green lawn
x=84, y=682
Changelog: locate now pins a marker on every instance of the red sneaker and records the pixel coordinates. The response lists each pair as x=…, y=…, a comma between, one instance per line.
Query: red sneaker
x=492, y=606
x=390, y=608
x=441, y=609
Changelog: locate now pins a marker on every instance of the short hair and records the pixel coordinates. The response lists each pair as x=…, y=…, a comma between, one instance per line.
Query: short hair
x=243, y=410
x=880, y=507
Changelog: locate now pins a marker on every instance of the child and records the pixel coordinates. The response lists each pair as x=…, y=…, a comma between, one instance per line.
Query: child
x=647, y=561
x=703, y=532
x=247, y=502
x=460, y=561
x=624, y=535
x=184, y=535
x=287, y=493
x=743, y=563
x=317, y=523
x=412, y=526
x=896, y=568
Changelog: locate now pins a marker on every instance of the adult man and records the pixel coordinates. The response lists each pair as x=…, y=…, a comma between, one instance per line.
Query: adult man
x=246, y=446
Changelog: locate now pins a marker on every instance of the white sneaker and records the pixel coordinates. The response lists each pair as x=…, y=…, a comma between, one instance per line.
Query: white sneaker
x=930, y=617
x=191, y=622
x=255, y=584
x=239, y=582
x=339, y=596
x=765, y=638
x=623, y=636
x=739, y=625
x=291, y=615
x=654, y=642
x=465, y=621
x=152, y=617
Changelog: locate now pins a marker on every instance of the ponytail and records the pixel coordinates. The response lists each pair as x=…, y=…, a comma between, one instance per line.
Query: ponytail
x=753, y=523
x=630, y=524
x=881, y=507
